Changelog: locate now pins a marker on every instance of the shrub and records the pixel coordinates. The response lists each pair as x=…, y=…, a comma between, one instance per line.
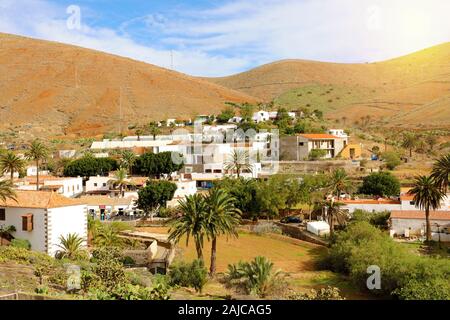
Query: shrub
x=316, y=154
x=404, y=274
x=382, y=184
x=108, y=267
x=328, y=293
x=257, y=276
x=21, y=243
x=392, y=159
x=192, y=274
x=128, y=261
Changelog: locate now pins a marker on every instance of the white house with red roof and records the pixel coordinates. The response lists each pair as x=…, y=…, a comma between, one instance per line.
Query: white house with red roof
x=42, y=217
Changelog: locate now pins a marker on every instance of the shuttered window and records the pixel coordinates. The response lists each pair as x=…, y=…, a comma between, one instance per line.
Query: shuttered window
x=27, y=222
x=2, y=214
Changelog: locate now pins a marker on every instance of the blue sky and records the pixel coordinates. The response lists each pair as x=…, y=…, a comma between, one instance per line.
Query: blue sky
x=216, y=38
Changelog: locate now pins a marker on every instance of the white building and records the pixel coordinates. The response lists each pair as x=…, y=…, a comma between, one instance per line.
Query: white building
x=104, y=207
x=66, y=186
x=261, y=116
x=43, y=217
x=405, y=203
x=410, y=223
x=32, y=171
x=340, y=133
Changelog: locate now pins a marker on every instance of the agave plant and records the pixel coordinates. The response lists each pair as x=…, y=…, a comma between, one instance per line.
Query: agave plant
x=70, y=246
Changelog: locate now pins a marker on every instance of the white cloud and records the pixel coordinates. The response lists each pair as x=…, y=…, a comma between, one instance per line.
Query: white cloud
x=236, y=35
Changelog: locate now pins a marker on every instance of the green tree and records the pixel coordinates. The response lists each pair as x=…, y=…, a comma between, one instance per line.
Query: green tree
x=222, y=218
x=70, y=246
x=108, y=236
x=89, y=166
x=226, y=115
x=11, y=163
x=382, y=184
x=192, y=223
x=7, y=190
x=431, y=140
x=238, y=162
x=246, y=111
x=441, y=172
x=427, y=196
x=409, y=142
x=157, y=164
x=334, y=213
x=339, y=181
x=244, y=192
x=154, y=194
x=37, y=152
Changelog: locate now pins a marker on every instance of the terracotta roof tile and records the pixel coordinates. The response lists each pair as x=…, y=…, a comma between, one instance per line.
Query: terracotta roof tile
x=317, y=136
x=417, y=214
x=39, y=200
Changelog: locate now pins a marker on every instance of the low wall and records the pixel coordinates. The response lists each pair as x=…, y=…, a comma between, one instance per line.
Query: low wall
x=143, y=257
x=317, y=166
x=301, y=234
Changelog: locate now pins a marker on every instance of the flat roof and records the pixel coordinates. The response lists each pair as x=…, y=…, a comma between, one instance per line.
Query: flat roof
x=318, y=136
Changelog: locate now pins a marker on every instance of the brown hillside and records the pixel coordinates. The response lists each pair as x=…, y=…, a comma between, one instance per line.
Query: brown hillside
x=49, y=88
x=413, y=90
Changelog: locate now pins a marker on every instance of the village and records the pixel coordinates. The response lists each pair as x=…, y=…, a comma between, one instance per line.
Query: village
x=141, y=184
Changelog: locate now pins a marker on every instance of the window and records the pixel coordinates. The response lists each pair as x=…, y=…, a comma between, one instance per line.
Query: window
x=412, y=203
x=301, y=144
x=188, y=169
x=2, y=214
x=27, y=223
x=95, y=184
x=104, y=184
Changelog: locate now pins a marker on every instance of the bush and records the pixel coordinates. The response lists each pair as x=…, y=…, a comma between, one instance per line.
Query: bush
x=316, y=154
x=192, y=274
x=328, y=293
x=257, y=277
x=90, y=166
x=382, y=184
x=404, y=274
x=377, y=219
x=21, y=243
x=392, y=159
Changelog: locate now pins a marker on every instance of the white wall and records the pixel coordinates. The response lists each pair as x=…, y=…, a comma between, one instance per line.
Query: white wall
x=97, y=184
x=372, y=207
x=37, y=235
x=72, y=187
x=63, y=221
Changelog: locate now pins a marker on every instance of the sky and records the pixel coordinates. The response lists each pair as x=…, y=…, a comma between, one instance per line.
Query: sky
x=219, y=38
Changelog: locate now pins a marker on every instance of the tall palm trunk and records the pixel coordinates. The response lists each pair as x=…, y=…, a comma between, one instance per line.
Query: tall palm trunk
x=212, y=268
x=198, y=247
x=428, y=225
x=12, y=175
x=330, y=222
x=37, y=175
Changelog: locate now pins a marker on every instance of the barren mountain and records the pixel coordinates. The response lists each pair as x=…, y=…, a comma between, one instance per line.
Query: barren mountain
x=48, y=88
x=410, y=91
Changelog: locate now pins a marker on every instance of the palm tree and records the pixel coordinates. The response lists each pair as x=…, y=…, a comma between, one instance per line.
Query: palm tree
x=120, y=181
x=37, y=152
x=108, y=237
x=338, y=182
x=427, y=196
x=191, y=223
x=70, y=246
x=222, y=219
x=409, y=142
x=139, y=133
x=334, y=212
x=6, y=232
x=6, y=190
x=128, y=160
x=238, y=161
x=11, y=163
x=153, y=129
x=441, y=172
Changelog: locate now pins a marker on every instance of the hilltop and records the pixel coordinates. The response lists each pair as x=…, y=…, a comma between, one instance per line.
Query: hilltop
x=49, y=88
x=410, y=91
